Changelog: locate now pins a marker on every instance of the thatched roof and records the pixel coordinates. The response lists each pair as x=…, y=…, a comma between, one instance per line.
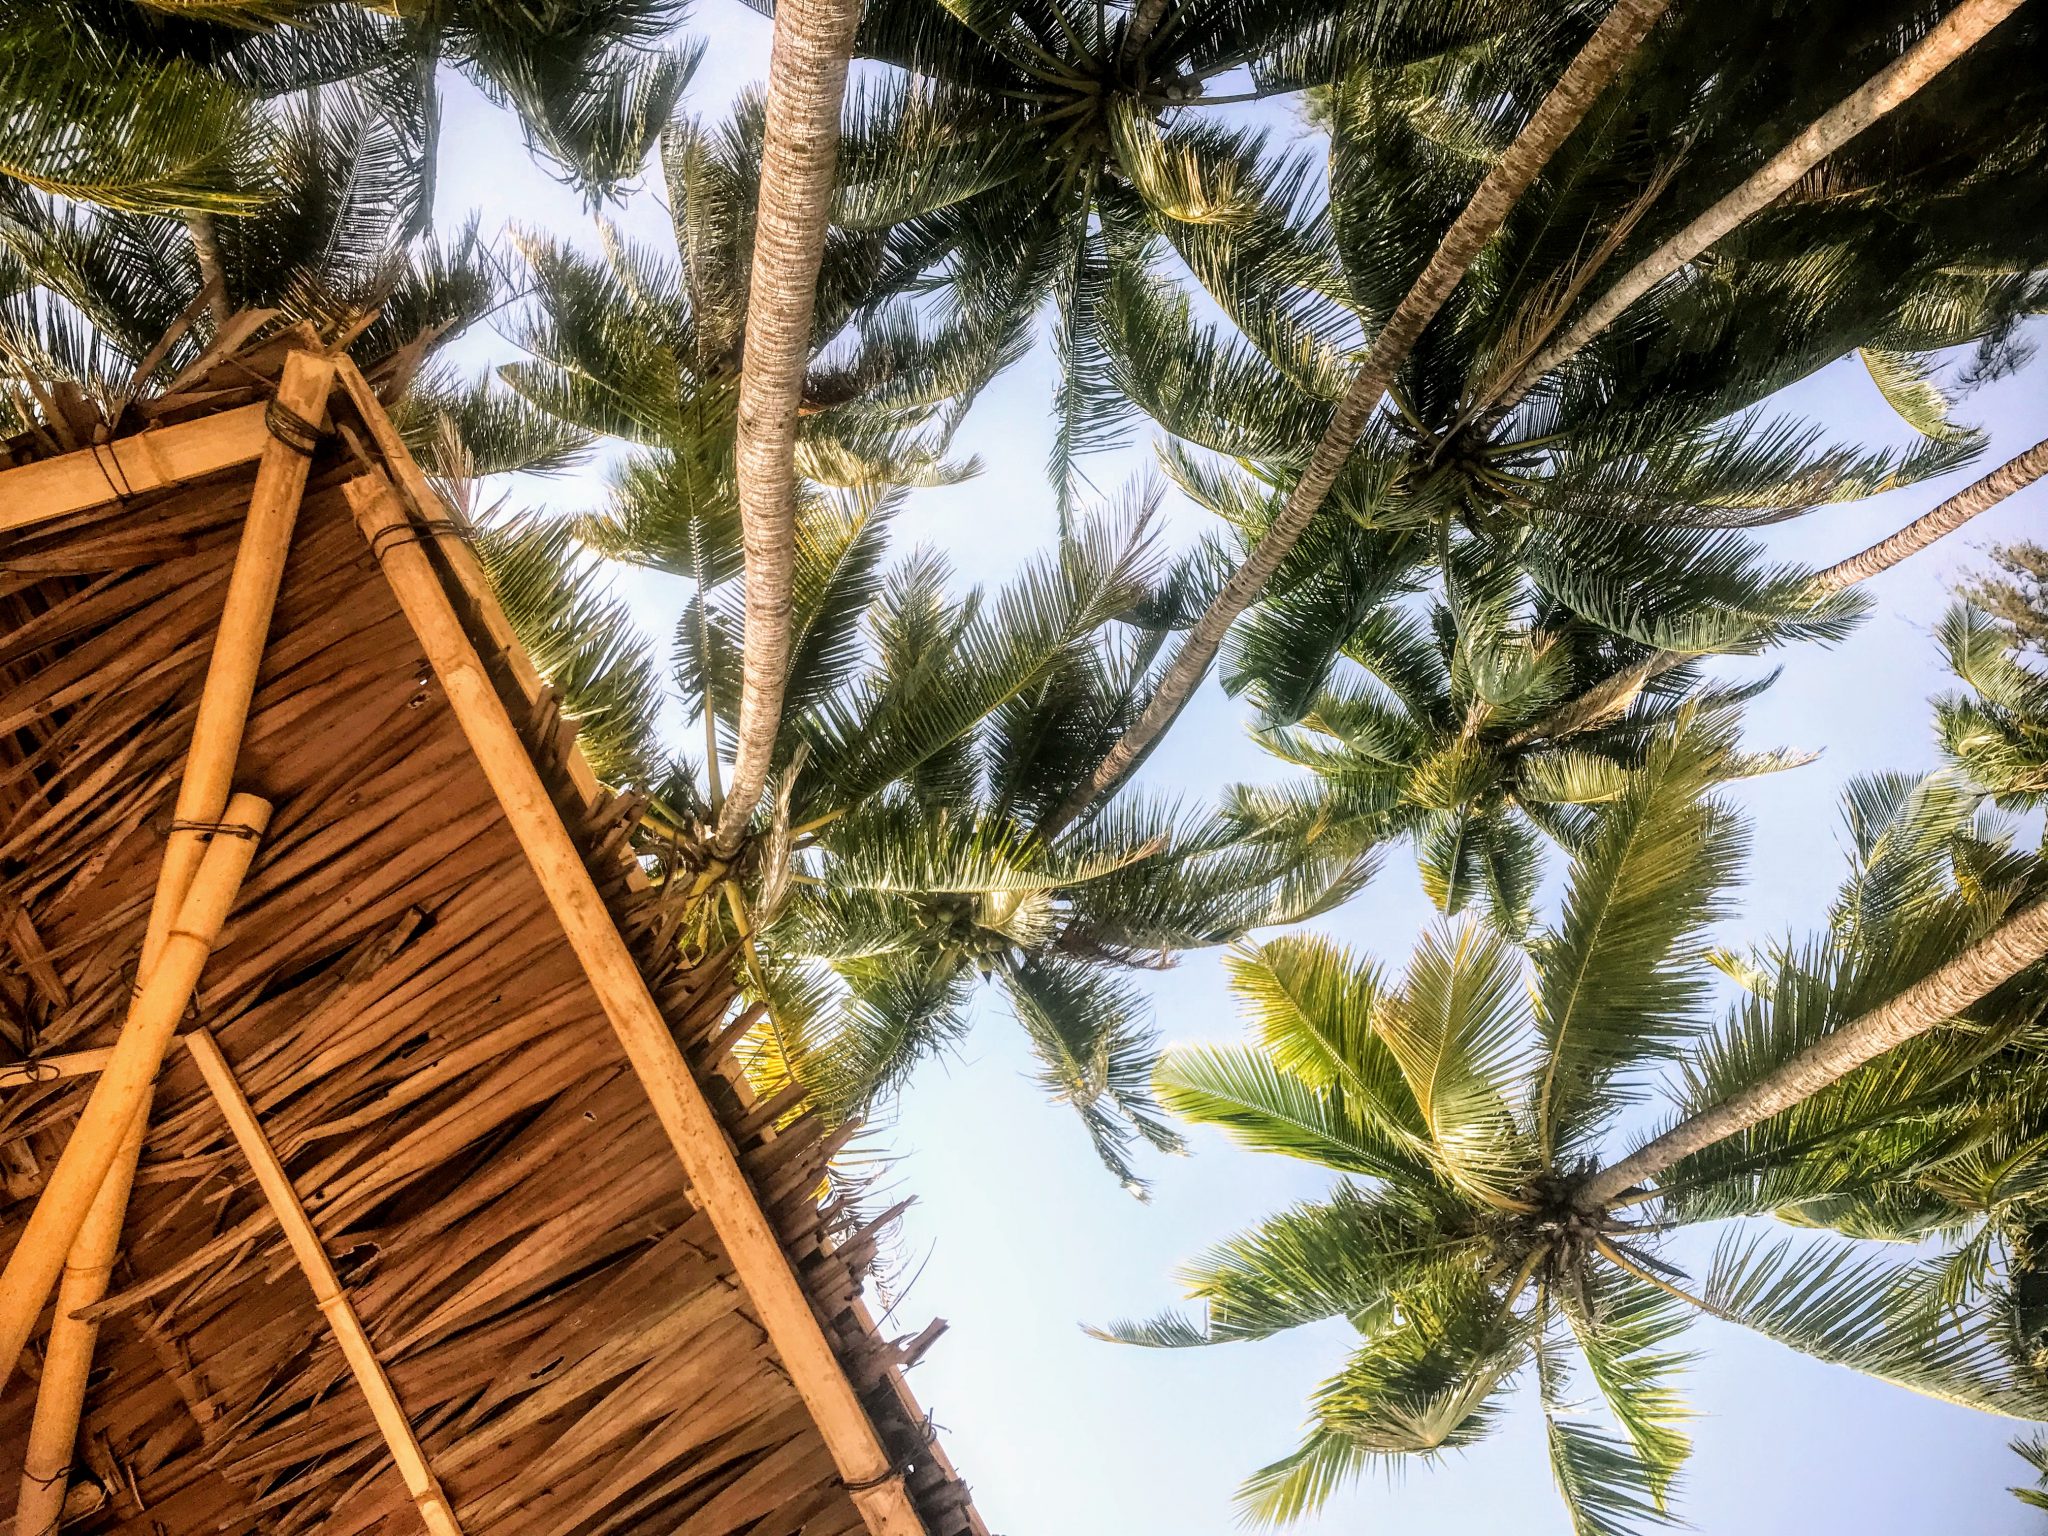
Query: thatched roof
x=566, y=1336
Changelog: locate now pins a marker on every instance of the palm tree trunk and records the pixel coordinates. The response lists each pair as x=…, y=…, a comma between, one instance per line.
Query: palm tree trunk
x=1561, y=111
x=2015, y=474
x=1614, y=694
x=1144, y=22
x=1896, y=83
x=799, y=159
x=2008, y=949
x=212, y=276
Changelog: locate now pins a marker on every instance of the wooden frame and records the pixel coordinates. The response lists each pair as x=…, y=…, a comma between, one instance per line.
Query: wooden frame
x=444, y=596
x=147, y=461
x=126, y=1081
x=717, y=1182
x=435, y=1510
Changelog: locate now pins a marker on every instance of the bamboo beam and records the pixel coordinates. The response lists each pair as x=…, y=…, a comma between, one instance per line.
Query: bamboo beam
x=251, y=599
x=125, y=1082
x=717, y=1182
x=67, y=1361
x=281, y=473
x=146, y=461
x=435, y=1510
x=51, y=1069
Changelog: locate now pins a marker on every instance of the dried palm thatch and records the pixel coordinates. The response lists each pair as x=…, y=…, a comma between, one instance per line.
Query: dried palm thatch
x=576, y=1337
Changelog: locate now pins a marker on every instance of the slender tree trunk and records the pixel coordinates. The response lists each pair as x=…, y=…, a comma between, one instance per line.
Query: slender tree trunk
x=806, y=88
x=1144, y=22
x=2008, y=949
x=1561, y=111
x=1612, y=695
x=2015, y=474
x=1896, y=83
x=206, y=251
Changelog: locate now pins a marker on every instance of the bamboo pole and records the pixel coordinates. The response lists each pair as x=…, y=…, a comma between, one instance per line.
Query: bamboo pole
x=281, y=473
x=125, y=1082
x=230, y=684
x=67, y=1361
x=717, y=1182
x=51, y=1069
x=147, y=461
x=435, y=1511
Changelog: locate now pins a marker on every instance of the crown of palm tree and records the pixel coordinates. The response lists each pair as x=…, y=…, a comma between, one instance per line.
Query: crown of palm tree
x=926, y=734
x=1660, y=449
x=154, y=106
x=1038, y=149
x=1432, y=742
x=1946, y=1142
x=115, y=300
x=1469, y=1102
x=1632, y=445
x=1997, y=732
x=634, y=345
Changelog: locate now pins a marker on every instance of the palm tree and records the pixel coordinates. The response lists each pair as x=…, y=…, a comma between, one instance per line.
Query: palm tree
x=1431, y=744
x=1469, y=1105
x=151, y=107
x=1041, y=147
x=793, y=208
x=950, y=874
x=637, y=347
x=1997, y=732
x=1615, y=690
x=115, y=302
x=2014, y=592
x=896, y=692
x=898, y=860
x=1980, y=496
x=1515, y=351
x=1945, y=1139
x=89, y=115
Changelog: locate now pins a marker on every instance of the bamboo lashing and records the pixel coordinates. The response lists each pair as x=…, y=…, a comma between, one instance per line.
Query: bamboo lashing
x=718, y=1184
x=128, y=466
x=230, y=684
x=126, y=1080
x=51, y=1069
x=435, y=1510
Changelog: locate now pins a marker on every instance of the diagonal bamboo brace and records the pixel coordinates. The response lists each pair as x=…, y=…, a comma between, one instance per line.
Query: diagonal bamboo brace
x=718, y=1184
x=67, y=1360
x=127, y=1080
x=435, y=1510
x=238, y=645
x=279, y=489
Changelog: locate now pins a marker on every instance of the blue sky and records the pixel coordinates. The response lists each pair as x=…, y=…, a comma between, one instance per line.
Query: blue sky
x=1018, y=1236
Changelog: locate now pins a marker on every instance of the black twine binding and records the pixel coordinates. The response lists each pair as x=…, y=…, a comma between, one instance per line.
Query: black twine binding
x=415, y=533
x=900, y=1467
x=213, y=828
x=896, y=1471
x=292, y=429
x=122, y=490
